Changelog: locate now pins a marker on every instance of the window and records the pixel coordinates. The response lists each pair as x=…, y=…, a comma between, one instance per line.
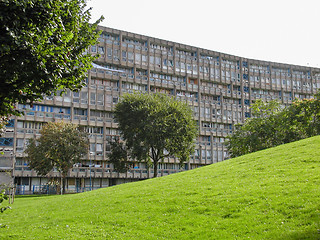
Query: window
x=108, y=98
x=130, y=57
x=67, y=96
x=101, y=50
x=93, y=49
x=151, y=59
x=6, y=141
x=19, y=124
x=203, y=154
x=10, y=123
x=116, y=55
x=112, y=131
x=20, y=144
x=189, y=68
x=183, y=67
x=208, y=154
x=124, y=56
x=84, y=97
x=92, y=148
x=76, y=97
x=79, y=111
x=19, y=162
x=144, y=58
x=193, y=81
x=217, y=73
x=99, y=149
x=195, y=69
x=100, y=99
x=177, y=66
x=109, y=53
x=90, y=129
x=158, y=61
x=93, y=98
x=164, y=63
x=29, y=125
x=115, y=100
x=138, y=58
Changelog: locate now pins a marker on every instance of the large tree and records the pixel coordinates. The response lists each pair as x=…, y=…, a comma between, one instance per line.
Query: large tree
x=155, y=126
x=42, y=49
x=59, y=146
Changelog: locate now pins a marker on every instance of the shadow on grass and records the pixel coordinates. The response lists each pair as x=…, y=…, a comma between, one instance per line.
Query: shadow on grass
x=34, y=195
x=309, y=234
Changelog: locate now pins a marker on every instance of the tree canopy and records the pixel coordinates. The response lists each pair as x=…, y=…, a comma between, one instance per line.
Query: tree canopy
x=59, y=146
x=155, y=126
x=43, y=44
x=272, y=125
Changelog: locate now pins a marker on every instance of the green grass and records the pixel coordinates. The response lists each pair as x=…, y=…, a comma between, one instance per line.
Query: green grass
x=271, y=194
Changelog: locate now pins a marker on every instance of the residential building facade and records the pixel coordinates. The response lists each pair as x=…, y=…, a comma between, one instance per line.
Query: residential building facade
x=218, y=87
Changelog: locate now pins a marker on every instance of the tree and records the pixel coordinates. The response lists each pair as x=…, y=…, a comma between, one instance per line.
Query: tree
x=43, y=49
x=3, y=196
x=305, y=113
x=263, y=130
x=155, y=126
x=59, y=146
x=256, y=132
x=272, y=125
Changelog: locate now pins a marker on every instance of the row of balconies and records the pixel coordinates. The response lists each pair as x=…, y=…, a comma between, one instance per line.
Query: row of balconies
x=227, y=66
x=264, y=73
x=217, y=91
x=190, y=52
x=96, y=173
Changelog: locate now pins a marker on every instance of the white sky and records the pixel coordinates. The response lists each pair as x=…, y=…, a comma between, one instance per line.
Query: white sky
x=286, y=31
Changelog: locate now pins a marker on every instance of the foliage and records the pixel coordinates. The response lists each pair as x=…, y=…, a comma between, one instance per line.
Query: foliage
x=119, y=157
x=59, y=146
x=271, y=194
x=155, y=126
x=43, y=44
x=3, y=122
x=272, y=126
x=305, y=115
x=3, y=196
x=261, y=109
x=255, y=134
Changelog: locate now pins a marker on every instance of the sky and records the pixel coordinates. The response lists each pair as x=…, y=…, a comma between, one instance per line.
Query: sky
x=285, y=31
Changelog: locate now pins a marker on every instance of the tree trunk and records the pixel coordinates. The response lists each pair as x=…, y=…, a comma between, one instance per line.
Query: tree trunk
x=63, y=185
x=155, y=169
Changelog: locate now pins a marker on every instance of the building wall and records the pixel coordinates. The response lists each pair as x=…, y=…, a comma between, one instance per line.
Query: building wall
x=219, y=88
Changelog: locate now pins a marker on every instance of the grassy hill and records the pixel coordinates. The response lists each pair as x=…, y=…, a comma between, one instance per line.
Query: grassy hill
x=271, y=194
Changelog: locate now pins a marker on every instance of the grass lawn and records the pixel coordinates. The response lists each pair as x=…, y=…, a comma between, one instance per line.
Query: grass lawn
x=271, y=194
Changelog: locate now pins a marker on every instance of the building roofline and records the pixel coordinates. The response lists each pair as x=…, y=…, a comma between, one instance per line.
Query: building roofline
x=221, y=54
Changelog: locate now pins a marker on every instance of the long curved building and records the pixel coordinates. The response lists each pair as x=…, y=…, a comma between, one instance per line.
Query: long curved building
x=219, y=87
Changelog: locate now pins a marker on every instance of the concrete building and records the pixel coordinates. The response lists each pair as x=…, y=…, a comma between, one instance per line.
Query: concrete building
x=219, y=88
